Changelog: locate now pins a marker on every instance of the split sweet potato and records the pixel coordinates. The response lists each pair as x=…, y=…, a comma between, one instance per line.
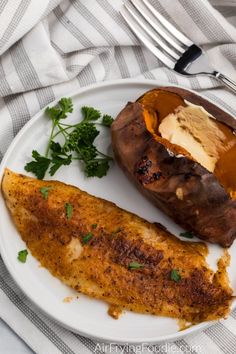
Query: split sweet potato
x=182, y=157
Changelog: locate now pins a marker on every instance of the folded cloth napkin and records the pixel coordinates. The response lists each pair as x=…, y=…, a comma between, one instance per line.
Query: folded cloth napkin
x=51, y=47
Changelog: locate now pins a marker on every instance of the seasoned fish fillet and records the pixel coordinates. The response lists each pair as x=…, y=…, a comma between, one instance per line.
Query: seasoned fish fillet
x=110, y=254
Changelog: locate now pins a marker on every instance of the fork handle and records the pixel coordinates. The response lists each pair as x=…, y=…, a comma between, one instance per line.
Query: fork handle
x=225, y=80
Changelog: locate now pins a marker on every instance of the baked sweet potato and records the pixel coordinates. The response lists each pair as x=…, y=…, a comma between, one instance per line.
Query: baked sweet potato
x=182, y=157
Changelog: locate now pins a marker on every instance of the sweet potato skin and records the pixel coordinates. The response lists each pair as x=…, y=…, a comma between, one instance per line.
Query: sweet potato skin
x=180, y=187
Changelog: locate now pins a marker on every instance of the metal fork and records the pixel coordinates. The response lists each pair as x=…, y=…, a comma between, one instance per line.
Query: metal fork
x=167, y=43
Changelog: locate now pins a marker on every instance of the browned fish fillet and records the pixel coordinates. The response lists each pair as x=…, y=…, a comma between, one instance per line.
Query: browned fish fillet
x=91, y=245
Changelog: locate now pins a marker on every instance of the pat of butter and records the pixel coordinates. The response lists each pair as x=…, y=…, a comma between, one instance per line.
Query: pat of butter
x=199, y=107
x=191, y=128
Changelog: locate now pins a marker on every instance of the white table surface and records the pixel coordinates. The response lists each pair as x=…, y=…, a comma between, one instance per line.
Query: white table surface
x=10, y=343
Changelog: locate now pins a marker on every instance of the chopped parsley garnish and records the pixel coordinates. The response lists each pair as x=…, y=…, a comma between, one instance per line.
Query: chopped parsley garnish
x=135, y=265
x=187, y=234
x=86, y=238
x=44, y=191
x=93, y=226
x=174, y=275
x=78, y=142
x=69, y=210
x=22, y=256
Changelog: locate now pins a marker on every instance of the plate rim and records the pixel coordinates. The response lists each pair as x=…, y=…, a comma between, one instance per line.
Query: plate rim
x=11, y=270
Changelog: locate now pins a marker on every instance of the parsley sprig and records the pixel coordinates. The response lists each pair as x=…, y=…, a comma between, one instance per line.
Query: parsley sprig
x=78, y=142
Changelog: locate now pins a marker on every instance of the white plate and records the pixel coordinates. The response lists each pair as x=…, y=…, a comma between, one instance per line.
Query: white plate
x=85, y=315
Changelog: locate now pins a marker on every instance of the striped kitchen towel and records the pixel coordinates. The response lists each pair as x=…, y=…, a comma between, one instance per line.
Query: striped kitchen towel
x=51, y=47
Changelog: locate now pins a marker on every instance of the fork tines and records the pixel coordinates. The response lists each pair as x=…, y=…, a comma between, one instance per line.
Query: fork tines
x=157, y=34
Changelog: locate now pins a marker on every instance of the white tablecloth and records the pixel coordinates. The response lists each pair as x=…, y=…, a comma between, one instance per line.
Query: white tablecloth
x=10, y=343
